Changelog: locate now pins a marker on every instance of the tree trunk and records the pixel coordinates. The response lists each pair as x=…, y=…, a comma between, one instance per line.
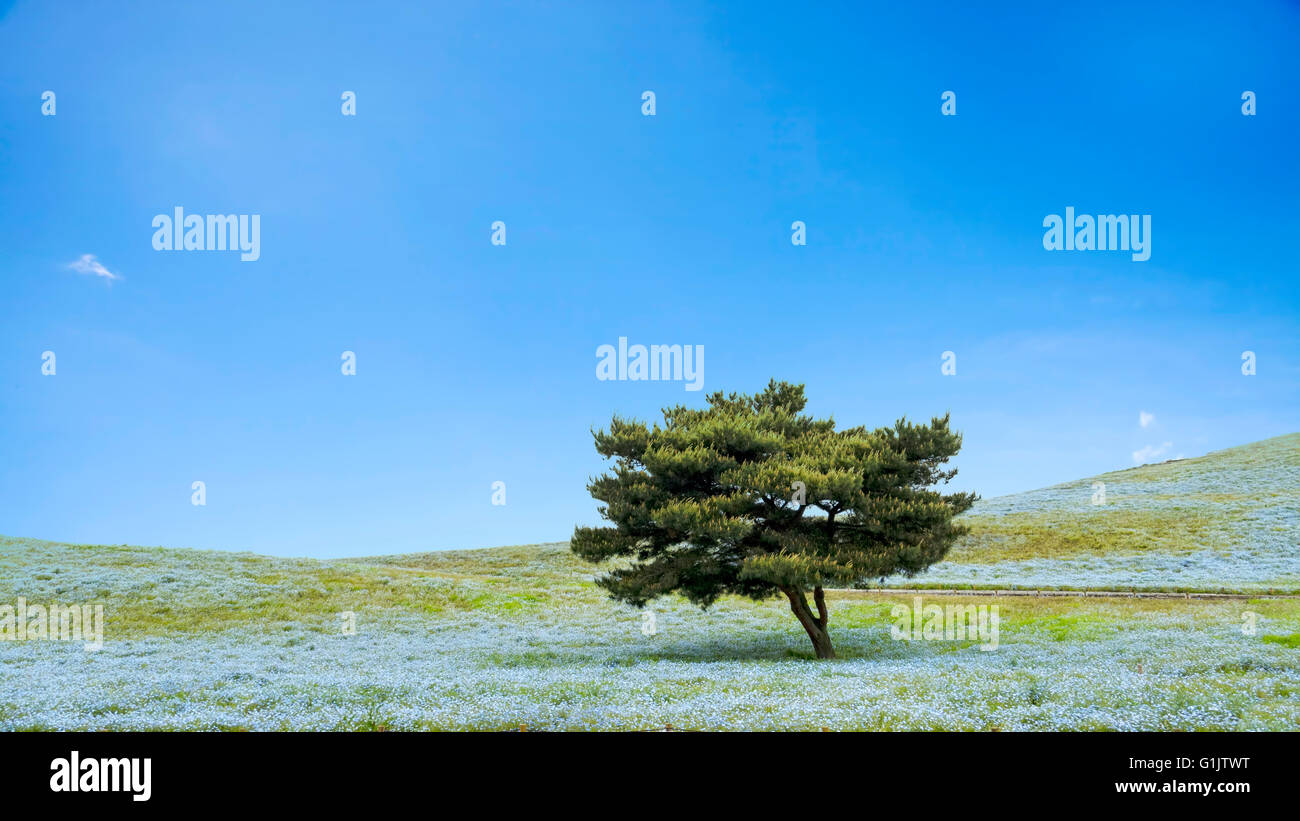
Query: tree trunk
x=814, y=625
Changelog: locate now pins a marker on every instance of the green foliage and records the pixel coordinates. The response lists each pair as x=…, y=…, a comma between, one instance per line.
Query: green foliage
x=1292, y=640
x=707, y=504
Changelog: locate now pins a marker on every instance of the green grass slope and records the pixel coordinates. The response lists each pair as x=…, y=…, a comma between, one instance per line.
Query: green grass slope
x=1228, y=521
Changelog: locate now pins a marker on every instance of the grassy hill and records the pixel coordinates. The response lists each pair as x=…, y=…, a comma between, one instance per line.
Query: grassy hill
x=1228, y=521
x=495, y=639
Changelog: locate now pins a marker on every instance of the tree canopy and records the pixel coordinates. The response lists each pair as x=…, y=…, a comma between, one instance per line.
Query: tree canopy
x=750, y=496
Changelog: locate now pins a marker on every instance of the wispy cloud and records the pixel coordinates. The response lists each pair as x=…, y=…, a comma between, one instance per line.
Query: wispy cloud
x=1145, y=419
x=1150, y=453
x=88, y=264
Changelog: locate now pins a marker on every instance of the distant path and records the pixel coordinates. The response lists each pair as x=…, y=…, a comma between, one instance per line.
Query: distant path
x=1100, y=594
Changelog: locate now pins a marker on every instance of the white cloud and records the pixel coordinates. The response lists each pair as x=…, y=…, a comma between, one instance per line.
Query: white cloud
x=1150, y=453
x=89, y=265
x=1145, y=419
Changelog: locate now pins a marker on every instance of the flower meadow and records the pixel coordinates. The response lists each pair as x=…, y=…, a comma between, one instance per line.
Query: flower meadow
x=519, y=638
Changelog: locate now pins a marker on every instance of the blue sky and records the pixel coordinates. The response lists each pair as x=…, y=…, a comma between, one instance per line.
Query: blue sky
x=476, y=363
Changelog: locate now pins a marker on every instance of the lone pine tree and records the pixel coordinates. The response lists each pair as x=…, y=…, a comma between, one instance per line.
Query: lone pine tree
x=749, y=496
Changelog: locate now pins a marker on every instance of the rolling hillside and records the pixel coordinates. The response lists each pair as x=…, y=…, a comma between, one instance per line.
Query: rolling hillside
x=1227, y=521
x=499, y=638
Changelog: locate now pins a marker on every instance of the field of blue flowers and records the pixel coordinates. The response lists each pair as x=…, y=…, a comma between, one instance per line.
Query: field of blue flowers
x=519, y=637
